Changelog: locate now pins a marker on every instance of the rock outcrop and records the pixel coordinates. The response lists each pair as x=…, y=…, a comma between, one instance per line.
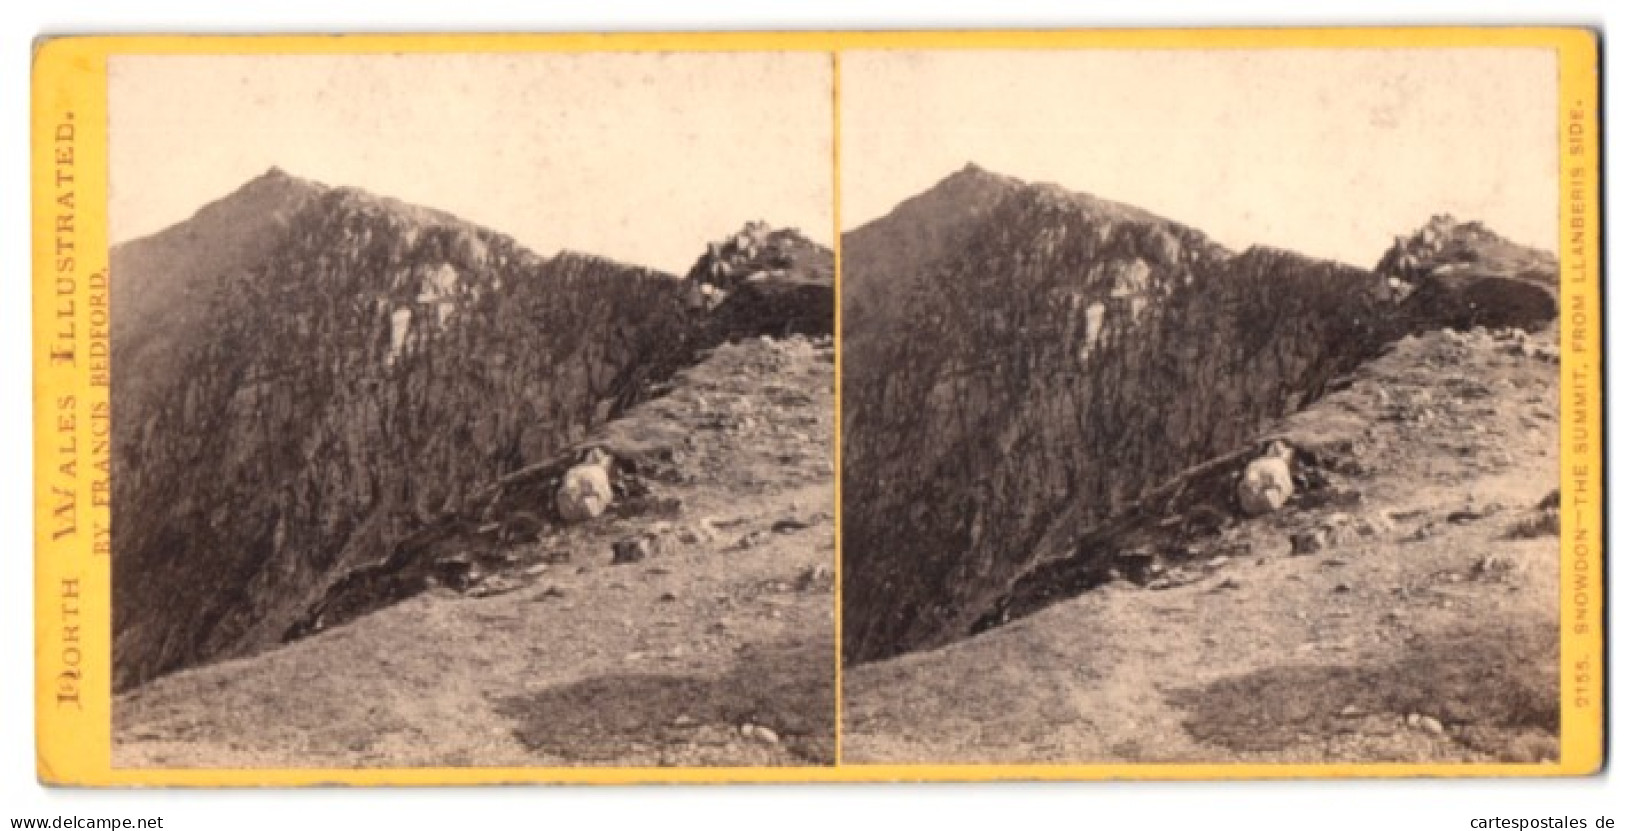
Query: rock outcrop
x=1461, y=275
x=760, y=275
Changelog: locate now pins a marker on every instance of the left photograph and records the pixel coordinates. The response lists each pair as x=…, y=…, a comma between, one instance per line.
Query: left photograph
x=472, y=410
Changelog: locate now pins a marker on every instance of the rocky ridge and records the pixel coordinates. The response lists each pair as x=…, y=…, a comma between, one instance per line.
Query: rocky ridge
x=1062, y=360
x=297, y=408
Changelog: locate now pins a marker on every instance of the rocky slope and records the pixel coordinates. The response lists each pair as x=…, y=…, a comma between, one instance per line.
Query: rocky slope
x=1057, y=359
x=534, y=647
x=1402, y=607
x=313, y=382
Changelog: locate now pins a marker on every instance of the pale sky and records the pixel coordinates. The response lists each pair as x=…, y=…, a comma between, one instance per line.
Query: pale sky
x=639, y=157
x=1326, y=152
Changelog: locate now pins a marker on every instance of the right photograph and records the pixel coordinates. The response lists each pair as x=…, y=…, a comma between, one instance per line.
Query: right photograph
x=1199, y=406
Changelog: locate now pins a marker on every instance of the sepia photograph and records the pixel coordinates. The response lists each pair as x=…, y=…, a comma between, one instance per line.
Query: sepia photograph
x=1200, y=406
x=472, y=409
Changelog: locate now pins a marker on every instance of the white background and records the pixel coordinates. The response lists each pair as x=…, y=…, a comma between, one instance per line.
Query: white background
x=1294, y=805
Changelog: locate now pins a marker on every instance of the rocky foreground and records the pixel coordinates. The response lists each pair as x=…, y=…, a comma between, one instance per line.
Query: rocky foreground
x=1401, y=606
x=691, y=623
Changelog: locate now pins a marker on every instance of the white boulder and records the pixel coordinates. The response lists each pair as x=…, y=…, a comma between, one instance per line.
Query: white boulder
x=585, y=492
x=1267, y=483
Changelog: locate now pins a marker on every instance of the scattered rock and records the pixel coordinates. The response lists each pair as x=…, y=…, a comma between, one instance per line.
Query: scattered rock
x=815, y=577
x=1492, y=567
x=631, y=550
x=698, y=534
x=786, y=526
x=1309, y=542
x=1137, y=565
x=456, y=571
x=1472, y=514
x=1373, y=525
x=549, y=593
x=759, y=733
x=520, y=527
x=668, y=506
x=1544, y=522
x=1551, y=501
x=668, y=597
x=494, y=585
x=1422, y=533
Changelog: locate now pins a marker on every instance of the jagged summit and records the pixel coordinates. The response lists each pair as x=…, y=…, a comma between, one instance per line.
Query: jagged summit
x=273, y=190
x=1462, y=274
x=972, y=183
x=974, y=175
x=275, y=176
x=978, y=183
x=759, y=251
x=1446, y=245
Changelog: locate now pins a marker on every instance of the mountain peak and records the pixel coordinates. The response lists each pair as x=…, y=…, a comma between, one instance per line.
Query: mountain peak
x=974, y=176
x=972, y=169
x=277, y=180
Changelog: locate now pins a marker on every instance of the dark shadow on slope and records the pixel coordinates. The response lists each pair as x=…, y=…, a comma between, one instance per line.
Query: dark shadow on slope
x=1462, y=301
x=1495, y=691
x=1177, y=522
x=788, y=687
